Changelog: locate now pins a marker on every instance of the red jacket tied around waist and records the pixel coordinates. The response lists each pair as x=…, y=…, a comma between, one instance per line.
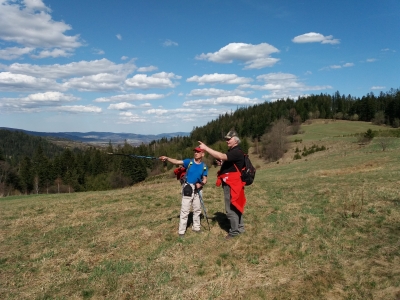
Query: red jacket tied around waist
x=233, y=179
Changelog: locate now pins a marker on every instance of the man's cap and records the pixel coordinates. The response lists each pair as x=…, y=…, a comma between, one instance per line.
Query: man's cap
x=231, y=134
x=198, y=149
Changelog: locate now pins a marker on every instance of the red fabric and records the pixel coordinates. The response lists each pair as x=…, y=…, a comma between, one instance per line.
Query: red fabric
x=233, y=179
x=180, y=172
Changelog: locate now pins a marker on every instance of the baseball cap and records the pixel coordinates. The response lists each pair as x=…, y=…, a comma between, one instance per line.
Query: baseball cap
x=198, y=149
x=231, y=134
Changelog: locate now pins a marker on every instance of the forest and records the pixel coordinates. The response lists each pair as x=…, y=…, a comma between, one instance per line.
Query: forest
x=30, y=164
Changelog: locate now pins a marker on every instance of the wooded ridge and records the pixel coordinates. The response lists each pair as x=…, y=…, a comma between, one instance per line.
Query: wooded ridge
x=31, y=164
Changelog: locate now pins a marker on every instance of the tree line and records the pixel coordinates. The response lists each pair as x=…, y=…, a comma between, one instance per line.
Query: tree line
x=254, y=121
x=30, y=164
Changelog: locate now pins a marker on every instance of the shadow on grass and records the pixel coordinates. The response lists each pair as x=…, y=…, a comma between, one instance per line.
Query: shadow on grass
x=218, y=217
x=190, y=219
x=222, y=220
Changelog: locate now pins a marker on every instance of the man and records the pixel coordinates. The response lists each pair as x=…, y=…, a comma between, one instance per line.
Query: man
x=229, y=176
x=195, y=179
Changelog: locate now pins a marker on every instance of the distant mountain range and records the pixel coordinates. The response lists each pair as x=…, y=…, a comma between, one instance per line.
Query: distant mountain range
x=102, y=138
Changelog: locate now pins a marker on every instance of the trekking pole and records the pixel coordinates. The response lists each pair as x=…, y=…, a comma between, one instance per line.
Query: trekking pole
x=134, y=156
x=204, y=209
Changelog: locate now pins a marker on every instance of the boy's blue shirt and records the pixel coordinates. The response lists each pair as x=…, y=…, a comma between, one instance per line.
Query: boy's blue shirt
x=196, y=171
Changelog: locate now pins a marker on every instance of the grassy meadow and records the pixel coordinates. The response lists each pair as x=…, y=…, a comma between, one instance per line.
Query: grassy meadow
x=326, y=226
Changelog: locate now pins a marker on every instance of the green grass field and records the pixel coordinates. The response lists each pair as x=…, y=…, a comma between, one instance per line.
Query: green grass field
x=326, y=226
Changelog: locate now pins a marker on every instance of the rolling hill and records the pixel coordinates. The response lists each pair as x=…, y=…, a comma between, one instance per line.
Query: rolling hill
x=322, y=227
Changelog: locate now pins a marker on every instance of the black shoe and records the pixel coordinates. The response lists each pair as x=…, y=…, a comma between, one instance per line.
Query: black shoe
x=229, y=237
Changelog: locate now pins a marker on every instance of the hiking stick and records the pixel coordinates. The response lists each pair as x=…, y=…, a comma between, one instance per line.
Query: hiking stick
x=133, y=156
x=204, y=209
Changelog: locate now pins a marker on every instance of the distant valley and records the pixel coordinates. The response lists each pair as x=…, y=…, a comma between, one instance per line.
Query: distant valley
x=101, y=138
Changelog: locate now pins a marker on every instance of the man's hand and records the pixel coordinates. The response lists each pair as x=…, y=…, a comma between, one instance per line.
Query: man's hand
x=202, y=145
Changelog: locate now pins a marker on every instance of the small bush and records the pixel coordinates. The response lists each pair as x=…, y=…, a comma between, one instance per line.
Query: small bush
x=297, y=156
x=312, y=149
x=369, y=134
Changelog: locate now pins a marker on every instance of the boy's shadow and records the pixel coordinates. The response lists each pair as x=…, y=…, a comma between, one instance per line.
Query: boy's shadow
x=218, y=217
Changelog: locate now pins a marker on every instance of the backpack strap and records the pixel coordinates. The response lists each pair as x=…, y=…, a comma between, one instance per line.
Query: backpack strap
x=244, y=154
x=190, y=164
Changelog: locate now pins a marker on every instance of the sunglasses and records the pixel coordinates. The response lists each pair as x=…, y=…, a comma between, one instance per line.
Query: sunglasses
x=228, y=139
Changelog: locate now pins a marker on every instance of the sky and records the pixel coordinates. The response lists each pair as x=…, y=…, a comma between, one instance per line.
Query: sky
x=163, y=66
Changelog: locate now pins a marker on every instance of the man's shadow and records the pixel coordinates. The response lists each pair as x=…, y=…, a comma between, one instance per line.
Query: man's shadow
x=222, y=220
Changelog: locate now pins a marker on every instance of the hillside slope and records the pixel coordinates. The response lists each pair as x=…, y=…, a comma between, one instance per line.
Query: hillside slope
x=324, y=227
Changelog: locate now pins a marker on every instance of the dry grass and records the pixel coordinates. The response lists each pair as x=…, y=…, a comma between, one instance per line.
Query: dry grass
x=302, y=240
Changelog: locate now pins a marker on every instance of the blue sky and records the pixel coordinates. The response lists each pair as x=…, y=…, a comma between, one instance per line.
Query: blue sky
x=152, y=67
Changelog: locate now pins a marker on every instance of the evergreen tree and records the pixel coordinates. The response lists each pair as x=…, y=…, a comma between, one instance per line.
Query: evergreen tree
x=26, y=175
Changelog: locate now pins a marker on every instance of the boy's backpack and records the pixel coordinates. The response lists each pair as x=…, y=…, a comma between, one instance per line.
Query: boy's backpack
x=180, y=173
x=248, y=172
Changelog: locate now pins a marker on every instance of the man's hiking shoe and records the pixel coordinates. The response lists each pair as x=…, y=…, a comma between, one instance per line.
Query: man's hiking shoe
x=230, y=237
x=181, y=236
x=197, y=231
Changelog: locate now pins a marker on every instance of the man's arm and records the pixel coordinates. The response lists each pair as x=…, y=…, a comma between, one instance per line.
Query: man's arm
x=212, y=152
x=171, y=160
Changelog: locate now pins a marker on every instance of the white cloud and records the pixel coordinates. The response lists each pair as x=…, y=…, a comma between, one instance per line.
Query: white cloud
x=156, y=111
x=119, y=36
x=124, y=57
x=14, y=52
x=19, y=82
x=335, y=67
x=219, y=79
x=53, y=53
x=36, y=102
x=370, y=60
x=169, y=43
x=98, y=82
x=129, y=118
x=74, y=69
x=313, y=37
x=212, y=92
x=121, y=106
x=79, y=109
x=277, y=95
x=147, y=69
x=282, y=85
x=378, y=87
x=33, y=5
x=131, y=97
x=49, y=97
x=145, y=105
x=183, y=114
x=159, y=80
x=227, y=101
x=98, y=51
x=253, y=56
x=388, y=50
x=347, y=65
x=28, y=23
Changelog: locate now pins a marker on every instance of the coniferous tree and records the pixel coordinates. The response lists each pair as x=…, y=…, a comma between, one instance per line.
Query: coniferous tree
x=26, y=175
